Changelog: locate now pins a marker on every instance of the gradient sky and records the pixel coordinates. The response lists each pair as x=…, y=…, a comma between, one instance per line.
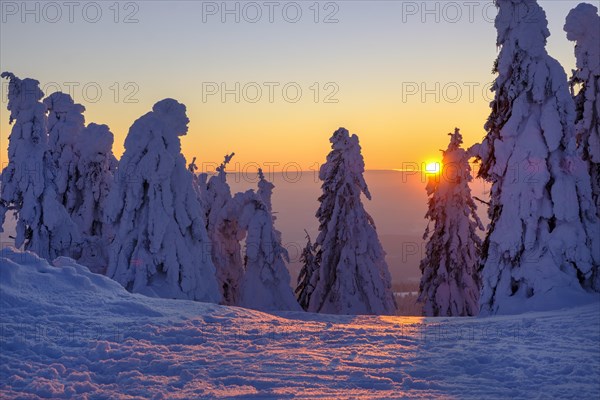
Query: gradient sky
x=375, y=50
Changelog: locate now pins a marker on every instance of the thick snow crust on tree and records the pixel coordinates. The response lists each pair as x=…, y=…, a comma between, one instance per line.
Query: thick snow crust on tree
x=29, y=191
x=96, y=168
x=83, y=166
x=265, y=284
x=352, y=277
x=583, y=27
x=224, y=232
x=65, y=123
x=542, y=250
x=450, y=284
x=160, y=246
x=246, y=247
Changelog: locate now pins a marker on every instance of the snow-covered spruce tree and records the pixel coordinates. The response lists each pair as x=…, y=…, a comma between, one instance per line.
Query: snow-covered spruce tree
x=541, y=250
x=583, y=27
x=43, y=225
x=160, y=246
x=96, y=167
x=265, y=191
x=352, y=277
x=265, y=285
x=306, y=278
x=65, y=123
x=222, y=215
x=450, y=283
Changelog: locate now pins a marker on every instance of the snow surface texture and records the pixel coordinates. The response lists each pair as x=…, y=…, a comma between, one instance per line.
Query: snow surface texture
x=28, y=181
x=583, y=27
x=542, y=248
x=160, y=247
x=352, y=276
x=69, y=333
x=450, y=285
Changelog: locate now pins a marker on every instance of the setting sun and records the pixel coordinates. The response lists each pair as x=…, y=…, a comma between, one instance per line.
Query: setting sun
x=432, y=167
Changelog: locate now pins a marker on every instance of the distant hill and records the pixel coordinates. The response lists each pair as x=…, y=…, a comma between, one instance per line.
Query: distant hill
x=398, y=206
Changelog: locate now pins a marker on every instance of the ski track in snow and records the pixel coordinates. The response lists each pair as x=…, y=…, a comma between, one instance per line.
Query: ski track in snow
x=66, y=332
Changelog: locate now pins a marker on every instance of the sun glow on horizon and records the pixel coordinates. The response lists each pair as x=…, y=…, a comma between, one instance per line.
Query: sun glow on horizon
x=432, y=167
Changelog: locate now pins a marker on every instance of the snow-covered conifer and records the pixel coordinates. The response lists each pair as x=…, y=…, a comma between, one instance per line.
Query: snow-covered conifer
x=222, y=214
x=583, y=27
x=265, y=283
x=265, y=191
x=160, y=246
x=450, y=283
x=43, y=224
x=306, y=284
x=96, y=167
x=352, y=277
x=541, y=250
x=65, y=123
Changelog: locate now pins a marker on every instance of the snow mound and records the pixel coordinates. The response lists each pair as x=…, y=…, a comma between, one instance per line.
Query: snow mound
x=66, y=332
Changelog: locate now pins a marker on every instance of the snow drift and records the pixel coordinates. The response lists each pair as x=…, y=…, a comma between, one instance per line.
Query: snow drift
x=66, y=332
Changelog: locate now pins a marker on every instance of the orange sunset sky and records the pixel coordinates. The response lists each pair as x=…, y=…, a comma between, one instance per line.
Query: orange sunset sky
x=373, y=63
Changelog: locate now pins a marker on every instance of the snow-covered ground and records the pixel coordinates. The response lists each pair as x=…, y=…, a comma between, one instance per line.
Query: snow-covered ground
x=65, y=332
